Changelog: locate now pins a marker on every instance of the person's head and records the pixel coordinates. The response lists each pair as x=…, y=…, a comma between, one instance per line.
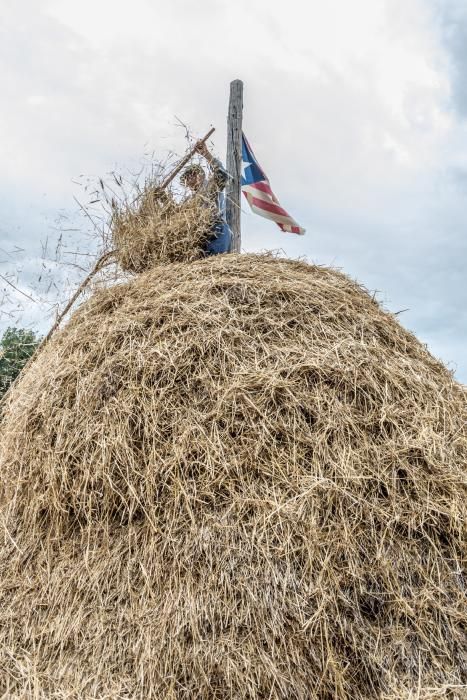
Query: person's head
x=193, y=177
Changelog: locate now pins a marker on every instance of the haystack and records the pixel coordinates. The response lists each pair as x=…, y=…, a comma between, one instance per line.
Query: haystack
x=155, y=228
x=236, y=478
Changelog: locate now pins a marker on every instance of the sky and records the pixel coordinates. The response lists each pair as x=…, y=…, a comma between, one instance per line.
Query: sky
x=356, y=111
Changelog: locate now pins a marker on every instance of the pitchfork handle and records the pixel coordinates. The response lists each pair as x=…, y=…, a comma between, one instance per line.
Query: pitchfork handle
x=184, y=161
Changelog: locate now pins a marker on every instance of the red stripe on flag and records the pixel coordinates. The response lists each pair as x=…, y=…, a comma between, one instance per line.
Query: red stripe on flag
x=266, y=208
x=285, y=223
x=264, y=187
x=269, y=206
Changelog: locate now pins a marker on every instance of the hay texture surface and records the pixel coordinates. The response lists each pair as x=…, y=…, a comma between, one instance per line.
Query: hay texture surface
x=156, y=229
x=238, y=478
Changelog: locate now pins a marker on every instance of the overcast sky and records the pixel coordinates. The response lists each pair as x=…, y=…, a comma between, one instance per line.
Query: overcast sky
x=356, y=111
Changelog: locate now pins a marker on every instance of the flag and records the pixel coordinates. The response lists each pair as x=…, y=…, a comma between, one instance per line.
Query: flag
x=256, y=188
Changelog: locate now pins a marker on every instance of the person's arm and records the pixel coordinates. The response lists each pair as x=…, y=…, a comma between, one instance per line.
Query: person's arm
x=219, y=172
x=204, y=151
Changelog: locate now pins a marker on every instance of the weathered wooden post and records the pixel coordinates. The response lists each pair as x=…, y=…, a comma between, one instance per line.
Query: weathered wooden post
x=234, y=163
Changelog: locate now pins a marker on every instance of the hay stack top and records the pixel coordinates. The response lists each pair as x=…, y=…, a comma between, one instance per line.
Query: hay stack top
x=235, y=478
x=156, y=229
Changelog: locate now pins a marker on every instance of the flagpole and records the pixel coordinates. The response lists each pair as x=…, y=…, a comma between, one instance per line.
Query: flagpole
x=234, y=162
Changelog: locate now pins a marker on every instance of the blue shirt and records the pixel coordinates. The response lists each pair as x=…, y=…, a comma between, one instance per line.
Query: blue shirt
x=213, y=191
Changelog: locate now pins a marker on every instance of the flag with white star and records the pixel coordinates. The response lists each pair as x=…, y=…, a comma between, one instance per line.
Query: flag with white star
x=262, y=200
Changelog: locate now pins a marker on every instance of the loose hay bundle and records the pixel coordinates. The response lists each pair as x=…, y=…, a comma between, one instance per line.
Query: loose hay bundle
x=238, y=478
x=156, y=229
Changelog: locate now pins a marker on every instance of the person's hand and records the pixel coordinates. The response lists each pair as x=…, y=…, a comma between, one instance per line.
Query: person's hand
x=202, y=149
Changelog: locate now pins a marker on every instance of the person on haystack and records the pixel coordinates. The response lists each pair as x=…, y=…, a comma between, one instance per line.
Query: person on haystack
x=211, y=191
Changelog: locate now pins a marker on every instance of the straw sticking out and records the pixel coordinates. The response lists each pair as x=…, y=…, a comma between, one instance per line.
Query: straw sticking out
x=156, y=229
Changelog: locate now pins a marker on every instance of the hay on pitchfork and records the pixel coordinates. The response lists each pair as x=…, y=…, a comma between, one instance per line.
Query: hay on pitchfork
x=155, y=229
x=235, y=478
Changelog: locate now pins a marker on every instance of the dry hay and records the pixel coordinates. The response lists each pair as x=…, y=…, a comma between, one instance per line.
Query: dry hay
x=238, y=478
x=155, y=229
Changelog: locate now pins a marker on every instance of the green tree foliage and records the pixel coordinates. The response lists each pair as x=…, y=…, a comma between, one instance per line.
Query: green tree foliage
x=16, y=347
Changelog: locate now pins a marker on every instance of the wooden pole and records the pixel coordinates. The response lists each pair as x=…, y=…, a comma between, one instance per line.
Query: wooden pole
x=234, y=163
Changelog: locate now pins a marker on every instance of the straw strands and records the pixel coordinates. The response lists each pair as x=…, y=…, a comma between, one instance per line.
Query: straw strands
x=155, y=229
x=236, y=478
